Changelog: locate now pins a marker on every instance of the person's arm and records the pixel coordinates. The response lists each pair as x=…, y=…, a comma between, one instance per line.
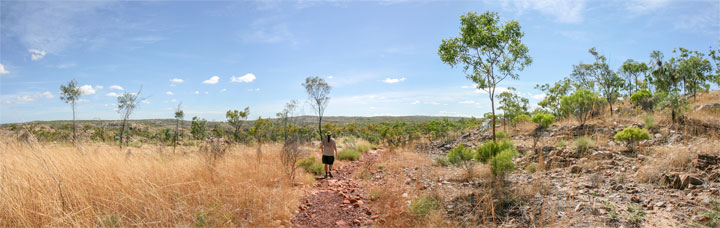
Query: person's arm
x=335, y=147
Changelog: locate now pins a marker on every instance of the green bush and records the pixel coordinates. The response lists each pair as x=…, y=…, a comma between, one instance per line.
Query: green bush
x=363, y=148
x=422, y=206
x=491, y=148
x=642, y=99
x=311, y=166
x=459, y=154
x=631, y=135
x=442, y=161
x=543, y=120
x=501, y=135
x=580, y=105
x=521, y=119
x=561, y=143
x=530, y=168
x=348, y=154
x=649, y=121
x=503, y=163
x=583, y=143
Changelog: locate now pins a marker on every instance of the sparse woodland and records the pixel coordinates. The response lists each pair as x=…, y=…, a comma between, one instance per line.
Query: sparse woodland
x=636, y=145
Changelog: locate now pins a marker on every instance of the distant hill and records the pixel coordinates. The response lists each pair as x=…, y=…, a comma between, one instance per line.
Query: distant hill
x=300, y=119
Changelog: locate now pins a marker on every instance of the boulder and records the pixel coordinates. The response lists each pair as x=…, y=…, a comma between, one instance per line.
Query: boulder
x=704, y=161
x=680, y=181
x=575, y=169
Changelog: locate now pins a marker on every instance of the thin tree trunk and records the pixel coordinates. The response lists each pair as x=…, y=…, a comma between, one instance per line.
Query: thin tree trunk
x=74, y=131
x=492, y=103
x=320, y=127
x=122, y=132
x=177, y=123
x=611, y=108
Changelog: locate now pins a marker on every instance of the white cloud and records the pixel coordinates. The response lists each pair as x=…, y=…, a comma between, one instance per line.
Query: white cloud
x=25, y=98
x=112, y=94
x=98, y=87
x=173, y=100
x=196, y=92
x=116, y=87
x=175, y=81
x=7, y=102
x=415, y=102
x=393, y=80
x=247, y=78
x=169, y=93
x=223, y=90
x=2, y=70
x=145, y=101
x=87, y=90
x=83, y=100
x=564, y=11
x=213, y=80
x=47, y=94
x=254, y=90
x=467, y=102
x=330, y=77
x=268, y=30
x=206, y=92
x=36, y=54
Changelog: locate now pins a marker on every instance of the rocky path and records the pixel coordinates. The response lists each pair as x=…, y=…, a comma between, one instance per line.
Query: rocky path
x=338, y=201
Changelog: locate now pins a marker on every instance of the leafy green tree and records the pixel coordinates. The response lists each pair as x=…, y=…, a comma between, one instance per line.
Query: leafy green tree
x=286, y=118
x=599, y=74
x=236, y=119
x=511, y=104
x=694, y=70
x=70, y=94
x=674, y=101
x=642, y=99
x=126, y=105
x=488, y=50
x=553, y=94
x=260, y=131
x=179, y=116
x=198, y=128
x=579, y=105
x=632, y=70
x=318, y=91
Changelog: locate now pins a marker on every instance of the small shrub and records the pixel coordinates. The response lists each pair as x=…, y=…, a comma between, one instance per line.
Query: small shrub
x=502, y=163
x=649, y=121
x=501, y=135
x=348, y=154
x=543, y=120
x=311, y=166
x=363, y=148
x=442, y=161
x=459, y=154
x=583, y=143
x=711, y=217
x=530, y=168
x=491, y=148
x=110, y=221
x=350, y=142
x=642, y=99
x=580, y=105
x=422, y=206
x=522, y=118
x=631, y=135
x=561, y=143
x=635, y=215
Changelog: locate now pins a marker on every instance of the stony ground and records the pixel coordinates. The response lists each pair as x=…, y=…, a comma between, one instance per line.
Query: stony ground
x=337, y=201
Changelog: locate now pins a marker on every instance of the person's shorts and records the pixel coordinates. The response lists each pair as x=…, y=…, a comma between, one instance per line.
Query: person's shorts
x=328, y=159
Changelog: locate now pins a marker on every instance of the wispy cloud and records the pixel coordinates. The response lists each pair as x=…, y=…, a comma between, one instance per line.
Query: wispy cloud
x=170, y=93
x=36, y=54
x=705, y=20
x=2, y=70
x=175, y=81
x=112, y=94
x=393, y=80
x=247, y=78
x=213, y=80
x=645, y=6
x=116, y=87
x=268, y=30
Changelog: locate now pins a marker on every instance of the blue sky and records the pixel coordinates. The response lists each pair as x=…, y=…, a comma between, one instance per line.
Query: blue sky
x=380, y=57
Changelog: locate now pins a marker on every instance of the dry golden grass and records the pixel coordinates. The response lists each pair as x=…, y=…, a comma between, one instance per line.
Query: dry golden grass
x=664, y=159
x=96, y=185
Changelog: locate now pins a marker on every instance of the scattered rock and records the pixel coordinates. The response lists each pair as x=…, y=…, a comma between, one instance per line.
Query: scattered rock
x=575, y=169
x=341, y=223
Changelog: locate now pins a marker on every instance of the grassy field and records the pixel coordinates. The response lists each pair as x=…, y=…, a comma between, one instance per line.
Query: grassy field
x=99, y=185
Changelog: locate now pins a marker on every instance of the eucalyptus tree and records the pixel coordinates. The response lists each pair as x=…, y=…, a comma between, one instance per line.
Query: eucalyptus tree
x=632, y=70
x=179, y=115
x=318, y=91
x=490, y=52
x=126, y=105
x=236, y=119
x=554, y=93
x=694, y=70
x=599, y=74
x=512, y=104
x=70, y=94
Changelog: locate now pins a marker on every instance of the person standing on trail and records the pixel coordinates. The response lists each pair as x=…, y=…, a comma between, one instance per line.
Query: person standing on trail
x=329, y=151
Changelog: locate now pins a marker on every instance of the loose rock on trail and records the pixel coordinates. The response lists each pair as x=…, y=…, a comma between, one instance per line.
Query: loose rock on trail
x=338, y=201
